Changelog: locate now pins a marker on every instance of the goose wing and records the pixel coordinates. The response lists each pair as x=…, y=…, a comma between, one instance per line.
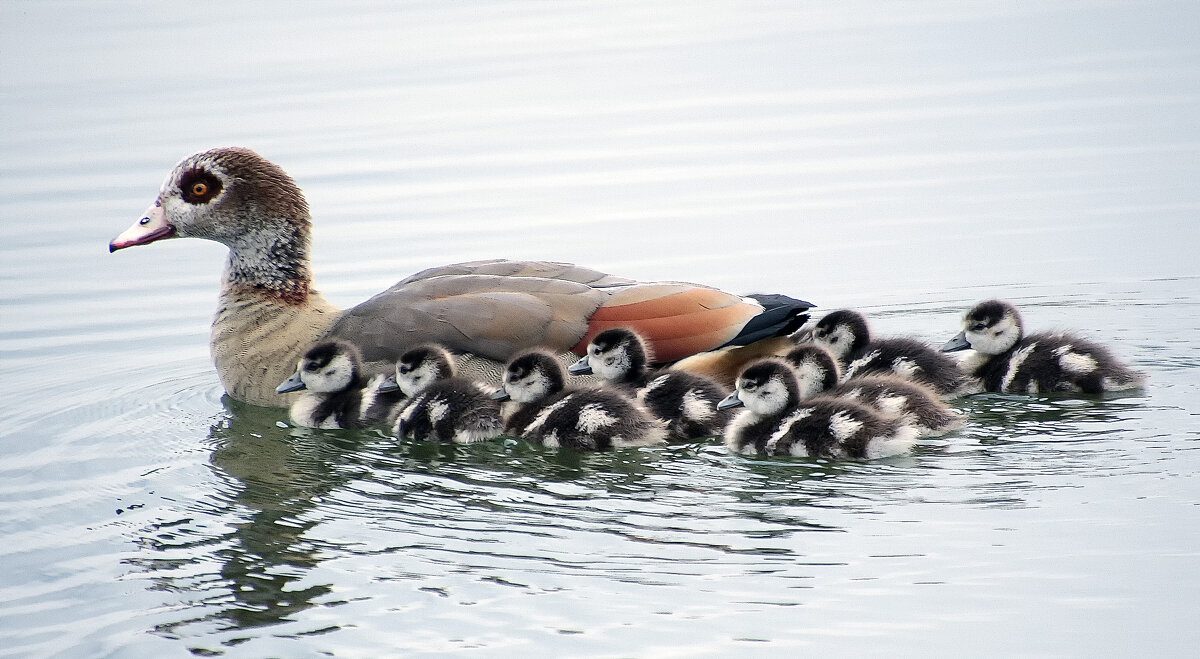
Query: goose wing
x=495, y=308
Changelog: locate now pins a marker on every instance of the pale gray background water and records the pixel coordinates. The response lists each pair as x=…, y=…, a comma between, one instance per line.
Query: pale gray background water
x=908, y=158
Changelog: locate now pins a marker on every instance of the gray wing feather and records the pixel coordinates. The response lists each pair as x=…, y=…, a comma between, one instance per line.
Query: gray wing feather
x=490, y=308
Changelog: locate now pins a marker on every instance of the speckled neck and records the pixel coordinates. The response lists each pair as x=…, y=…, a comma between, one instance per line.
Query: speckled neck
x=271, y=260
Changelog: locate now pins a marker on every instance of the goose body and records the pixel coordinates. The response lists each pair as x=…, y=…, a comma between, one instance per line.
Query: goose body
x=548, y=412
x=817, y=374
x=777, y=422
x=686, y=402
x=1005, y=360
x=442, y=407
x=845, y=334
x=268, y=310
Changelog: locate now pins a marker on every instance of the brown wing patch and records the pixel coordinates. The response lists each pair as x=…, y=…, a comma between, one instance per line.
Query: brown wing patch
x=676, y=320
x=724, y=365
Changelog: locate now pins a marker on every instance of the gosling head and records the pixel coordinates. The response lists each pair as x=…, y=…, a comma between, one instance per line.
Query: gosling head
x=422, y=366
x=841, y=332
x=617, y=355
x=328, y=367
x=530, y=377
x=990, y=327
x=766, y=387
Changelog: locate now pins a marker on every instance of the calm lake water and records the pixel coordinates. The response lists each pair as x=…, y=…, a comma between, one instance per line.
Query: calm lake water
x=905, y=158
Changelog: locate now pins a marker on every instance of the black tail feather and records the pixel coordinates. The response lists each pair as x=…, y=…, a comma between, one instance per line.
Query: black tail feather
x=781, y=316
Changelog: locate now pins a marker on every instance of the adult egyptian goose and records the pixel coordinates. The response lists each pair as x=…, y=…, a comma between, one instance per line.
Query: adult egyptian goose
x=484, y=311
x=1006, y=360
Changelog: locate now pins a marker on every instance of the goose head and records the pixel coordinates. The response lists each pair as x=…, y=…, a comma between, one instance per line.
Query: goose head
x=841, y=332
x=815, y=368
x=421, y=366
x=991, y=327
x=328, y=367
x=616, y=355
x=530, y=377
x=240, y=199
x=766, y=387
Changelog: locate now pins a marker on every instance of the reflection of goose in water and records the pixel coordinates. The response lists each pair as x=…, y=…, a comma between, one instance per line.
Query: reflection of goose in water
x=271, y=479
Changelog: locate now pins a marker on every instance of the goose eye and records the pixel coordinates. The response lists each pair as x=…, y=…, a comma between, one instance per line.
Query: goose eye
x=199, y=186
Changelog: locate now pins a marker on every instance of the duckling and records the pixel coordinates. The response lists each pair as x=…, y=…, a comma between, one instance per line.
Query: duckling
x=846, y=335
x=686, y=402
x=330, y=375
x=778, y=422
x=442, y=407
x=817, y=373
x=1005, y=360
x=588, y=419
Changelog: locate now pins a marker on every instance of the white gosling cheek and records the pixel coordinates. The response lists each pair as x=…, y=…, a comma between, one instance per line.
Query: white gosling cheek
x=613, y=366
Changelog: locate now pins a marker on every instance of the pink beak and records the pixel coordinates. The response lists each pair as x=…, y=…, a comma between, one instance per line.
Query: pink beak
x=153, y=226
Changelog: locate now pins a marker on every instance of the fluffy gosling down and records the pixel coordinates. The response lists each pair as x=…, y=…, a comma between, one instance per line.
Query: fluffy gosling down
x=443, y=407
x=549, y=413
x=777, y=422
x=817, y=373
x=845, y=334
x=336, y=393
x=1005, y=360
x=686, y=402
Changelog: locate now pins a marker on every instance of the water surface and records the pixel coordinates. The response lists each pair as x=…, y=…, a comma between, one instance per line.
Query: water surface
x=908, y=159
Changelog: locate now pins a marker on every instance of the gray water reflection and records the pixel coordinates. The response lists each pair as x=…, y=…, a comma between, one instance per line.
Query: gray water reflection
x=510, y=514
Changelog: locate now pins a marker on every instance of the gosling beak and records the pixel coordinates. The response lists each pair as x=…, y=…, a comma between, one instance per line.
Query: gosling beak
x=729, y=401
x=499, y=394
x=581, y=367
x=388, y=384
x=151, y=227
x=291, y=384
x=959, y=342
